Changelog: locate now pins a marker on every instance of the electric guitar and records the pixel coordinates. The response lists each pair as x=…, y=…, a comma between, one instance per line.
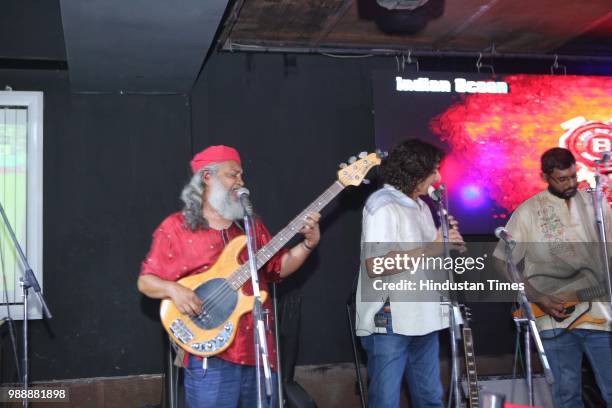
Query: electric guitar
x=214, y=329
x=577, y=304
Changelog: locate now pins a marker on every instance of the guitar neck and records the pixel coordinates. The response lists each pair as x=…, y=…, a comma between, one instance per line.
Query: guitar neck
x=470, y=368
x=588, y=294
x=243, y=274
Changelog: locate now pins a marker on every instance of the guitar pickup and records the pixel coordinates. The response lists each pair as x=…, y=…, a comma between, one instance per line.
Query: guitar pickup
x=180, y=330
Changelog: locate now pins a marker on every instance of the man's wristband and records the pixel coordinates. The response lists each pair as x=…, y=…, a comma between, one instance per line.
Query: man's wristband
x=306, y=246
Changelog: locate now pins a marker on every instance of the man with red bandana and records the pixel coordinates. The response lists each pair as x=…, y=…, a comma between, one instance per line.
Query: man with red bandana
x=189, y=242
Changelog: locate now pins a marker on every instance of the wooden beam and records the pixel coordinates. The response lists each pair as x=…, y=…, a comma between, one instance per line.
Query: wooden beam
x=331, y=22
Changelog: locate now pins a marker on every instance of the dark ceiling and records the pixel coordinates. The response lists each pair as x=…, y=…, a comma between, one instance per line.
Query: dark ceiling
x=575, y=27
x=153, y=46
x=138, y=45
x=135, y=46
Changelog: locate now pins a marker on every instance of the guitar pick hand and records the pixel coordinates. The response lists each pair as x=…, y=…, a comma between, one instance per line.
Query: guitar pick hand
x=552, y=306
x=186, y=301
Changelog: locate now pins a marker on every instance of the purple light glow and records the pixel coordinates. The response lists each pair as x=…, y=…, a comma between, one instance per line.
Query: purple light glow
x=472, y=196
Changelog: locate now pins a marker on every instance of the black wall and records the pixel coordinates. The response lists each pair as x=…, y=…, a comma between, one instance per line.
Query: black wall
x=114, y=167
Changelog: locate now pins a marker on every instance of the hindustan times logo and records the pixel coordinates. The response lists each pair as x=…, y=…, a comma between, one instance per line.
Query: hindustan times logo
x=404, y=262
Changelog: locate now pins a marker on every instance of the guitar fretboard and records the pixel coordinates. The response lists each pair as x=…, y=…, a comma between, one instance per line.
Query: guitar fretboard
x=585, y=295
x=243, y=274
x=470, y=363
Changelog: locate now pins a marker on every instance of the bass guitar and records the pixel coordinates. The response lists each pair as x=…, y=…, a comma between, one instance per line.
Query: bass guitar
x=214, y=329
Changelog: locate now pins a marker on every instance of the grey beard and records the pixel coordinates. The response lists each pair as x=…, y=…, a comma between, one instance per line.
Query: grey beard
x=221, y=201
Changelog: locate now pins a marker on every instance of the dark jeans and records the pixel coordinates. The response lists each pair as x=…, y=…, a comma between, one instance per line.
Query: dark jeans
x=393, y=357
x=565, y=356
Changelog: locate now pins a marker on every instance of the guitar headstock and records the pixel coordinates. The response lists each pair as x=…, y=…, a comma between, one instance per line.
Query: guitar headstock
x=354, y=173
x=466, y=313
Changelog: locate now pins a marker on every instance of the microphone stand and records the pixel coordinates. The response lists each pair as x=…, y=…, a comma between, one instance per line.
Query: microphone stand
x=601, y=223
x=531, y=328
x=453, y=308
x=259, y=335
x=28, y=280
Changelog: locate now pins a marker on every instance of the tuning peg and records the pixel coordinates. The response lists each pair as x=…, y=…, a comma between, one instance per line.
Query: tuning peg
x=381, y=154
x=366, y=181
x=343, y=165
x=352, y=159
x=363, y=155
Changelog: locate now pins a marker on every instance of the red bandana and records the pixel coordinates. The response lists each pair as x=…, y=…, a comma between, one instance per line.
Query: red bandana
x=214, y=154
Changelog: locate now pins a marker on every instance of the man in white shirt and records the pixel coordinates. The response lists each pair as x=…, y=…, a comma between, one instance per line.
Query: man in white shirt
x=557, y=238
x=401, y=337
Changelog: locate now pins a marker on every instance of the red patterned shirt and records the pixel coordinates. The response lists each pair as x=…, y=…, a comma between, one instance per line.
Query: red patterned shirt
x=177, y=252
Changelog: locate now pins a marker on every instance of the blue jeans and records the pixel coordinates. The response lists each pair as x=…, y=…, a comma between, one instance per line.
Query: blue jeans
x=223, y=385
x=392, y=357
x=565, y=356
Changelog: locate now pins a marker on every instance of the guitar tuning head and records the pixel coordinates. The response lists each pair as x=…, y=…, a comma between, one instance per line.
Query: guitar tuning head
x=352, y=159
x=343, y=165
x=363, y=155
x=381, y=154
x=365, y=181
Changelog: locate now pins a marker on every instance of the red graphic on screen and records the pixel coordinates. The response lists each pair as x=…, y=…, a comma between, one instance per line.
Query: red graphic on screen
x=497, y=140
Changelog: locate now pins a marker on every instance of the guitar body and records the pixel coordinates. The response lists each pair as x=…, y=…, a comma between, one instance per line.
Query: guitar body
x=537, y=312
x=577, y=305
x=572, y=323
x=214, y=330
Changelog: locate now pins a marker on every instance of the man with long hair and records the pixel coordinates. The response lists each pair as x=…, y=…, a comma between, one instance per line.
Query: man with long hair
x=189, y=242
x=557, y=241
x=401, y=337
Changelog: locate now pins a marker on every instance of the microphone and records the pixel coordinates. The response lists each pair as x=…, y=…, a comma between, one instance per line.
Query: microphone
x=504, y=235
x=436, y=193
x=243, y=196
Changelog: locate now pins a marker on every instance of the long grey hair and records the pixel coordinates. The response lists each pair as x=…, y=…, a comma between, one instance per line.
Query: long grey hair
x=192, y=196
